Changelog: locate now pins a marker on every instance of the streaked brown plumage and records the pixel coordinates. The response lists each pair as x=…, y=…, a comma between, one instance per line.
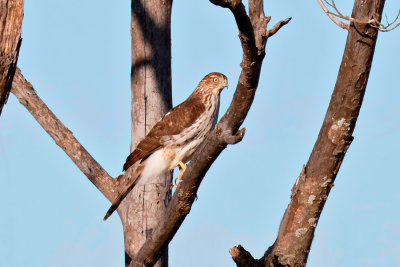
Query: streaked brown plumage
x=173, y=140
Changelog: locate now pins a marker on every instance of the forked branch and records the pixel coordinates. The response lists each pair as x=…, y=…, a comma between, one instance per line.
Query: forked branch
x=336, y=16
x=63, y=137
x=253, y=36
x=333, y=16
x=312, y=187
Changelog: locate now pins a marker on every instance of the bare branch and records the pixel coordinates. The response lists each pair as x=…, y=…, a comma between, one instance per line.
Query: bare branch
x=226, y=131
x=278, y=26
x=312, y=187
x=332, y=17
x=333, y=5
x=391, y=23
x=242, y=257
x=63, y=137
x=388, y=27
x=371, y=22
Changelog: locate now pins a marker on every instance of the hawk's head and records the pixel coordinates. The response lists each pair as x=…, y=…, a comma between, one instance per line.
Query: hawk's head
x=212, y=83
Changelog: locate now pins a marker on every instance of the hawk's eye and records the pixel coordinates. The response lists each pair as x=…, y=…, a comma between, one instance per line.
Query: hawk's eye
x=215, y=80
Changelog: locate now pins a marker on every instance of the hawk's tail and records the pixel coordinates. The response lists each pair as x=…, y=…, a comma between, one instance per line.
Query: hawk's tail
x=129, y=186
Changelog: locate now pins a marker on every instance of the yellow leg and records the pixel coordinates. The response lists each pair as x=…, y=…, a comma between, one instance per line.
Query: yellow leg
x=182, y=168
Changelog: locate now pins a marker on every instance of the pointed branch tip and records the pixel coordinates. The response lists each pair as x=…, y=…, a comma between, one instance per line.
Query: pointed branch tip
x=241, y=256
x=278, y=26
x=232, y=139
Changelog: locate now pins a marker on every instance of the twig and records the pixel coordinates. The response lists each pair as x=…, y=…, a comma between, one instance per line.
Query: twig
x=63, y=137
x=332, y=17
x=386, y=28
x=372, y=22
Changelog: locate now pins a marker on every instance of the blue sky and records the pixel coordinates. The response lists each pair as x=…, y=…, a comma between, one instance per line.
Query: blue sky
x=77, y=56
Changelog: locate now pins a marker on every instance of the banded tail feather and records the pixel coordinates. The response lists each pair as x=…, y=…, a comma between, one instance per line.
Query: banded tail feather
x=131, y=184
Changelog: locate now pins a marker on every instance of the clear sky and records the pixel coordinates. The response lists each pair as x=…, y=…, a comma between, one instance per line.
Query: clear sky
x=77, y=56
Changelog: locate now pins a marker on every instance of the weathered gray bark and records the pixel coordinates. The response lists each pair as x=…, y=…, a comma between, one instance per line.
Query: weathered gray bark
x=151, y=99
x=11, y=14
x=148, y=224
x=253, y=35
x=315, y=181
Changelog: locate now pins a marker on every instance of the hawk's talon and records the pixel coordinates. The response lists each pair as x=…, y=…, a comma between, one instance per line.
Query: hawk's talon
x=182, y=167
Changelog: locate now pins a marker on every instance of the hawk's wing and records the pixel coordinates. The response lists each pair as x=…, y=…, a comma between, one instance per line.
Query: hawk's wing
x=173, y=123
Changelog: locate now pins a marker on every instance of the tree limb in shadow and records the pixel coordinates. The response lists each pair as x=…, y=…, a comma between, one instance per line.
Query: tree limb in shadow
x=253, y=41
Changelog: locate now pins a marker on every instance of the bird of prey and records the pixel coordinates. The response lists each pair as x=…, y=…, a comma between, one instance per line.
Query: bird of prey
x=173, y=139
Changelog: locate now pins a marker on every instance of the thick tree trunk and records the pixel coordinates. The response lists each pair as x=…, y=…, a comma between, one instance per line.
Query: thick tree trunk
x=151, y=98
x=11, y=14
x=312, y=188
x=253, y=35
x=316, y=179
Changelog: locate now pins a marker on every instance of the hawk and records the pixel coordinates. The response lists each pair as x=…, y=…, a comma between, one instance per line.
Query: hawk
x=173, y=139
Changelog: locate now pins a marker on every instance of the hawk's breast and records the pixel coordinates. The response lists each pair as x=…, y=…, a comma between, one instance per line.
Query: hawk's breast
x=188, y=140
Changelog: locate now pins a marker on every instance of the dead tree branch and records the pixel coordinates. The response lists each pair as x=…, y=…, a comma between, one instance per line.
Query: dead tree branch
x=253, y=36
x=332, y=16
x=316, y=179
x=11, y=14
x=337, y=16
x=243, y=258
x=63, y=137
